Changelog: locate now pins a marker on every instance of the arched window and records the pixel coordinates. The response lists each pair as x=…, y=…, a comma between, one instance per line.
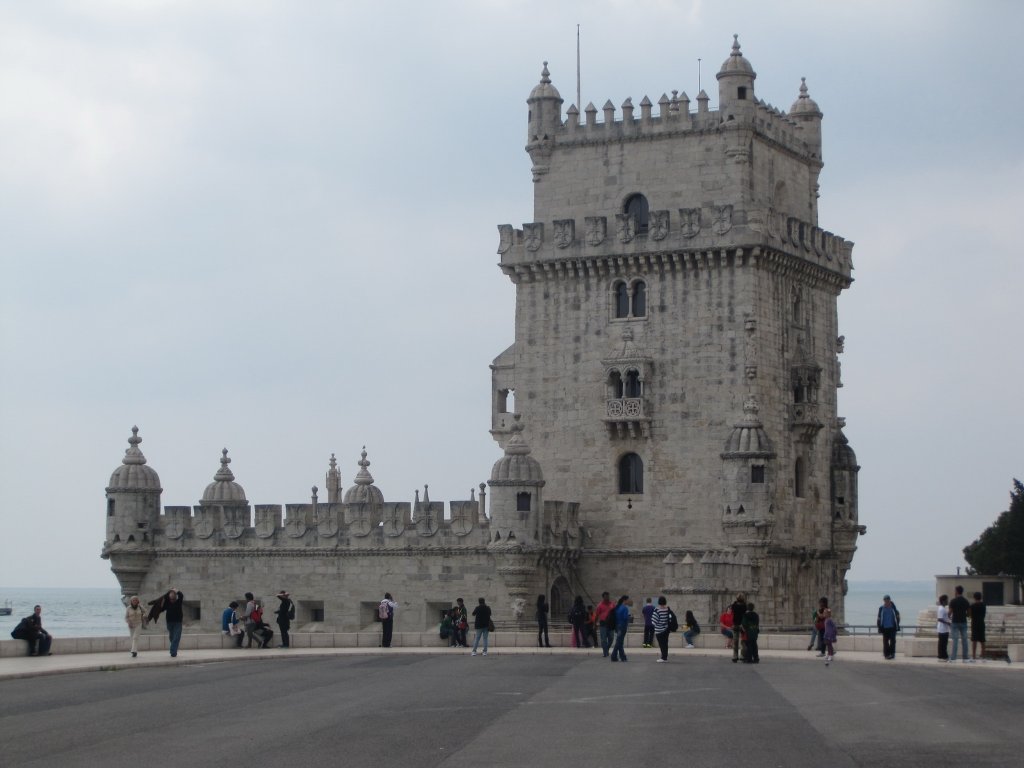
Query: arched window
x=632, y=387
x=522, y=502
x=799, y=477
x=615, y=386
x=636, y=206
x=639, y=298
x=621, y=299
x=631, y=474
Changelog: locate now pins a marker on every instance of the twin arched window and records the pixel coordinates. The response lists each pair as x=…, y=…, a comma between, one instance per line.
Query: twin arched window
x=630, y=298
x=631, y=474
x=629, y=385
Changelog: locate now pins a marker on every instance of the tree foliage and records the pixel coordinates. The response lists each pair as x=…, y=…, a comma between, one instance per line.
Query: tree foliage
x=1000, y=548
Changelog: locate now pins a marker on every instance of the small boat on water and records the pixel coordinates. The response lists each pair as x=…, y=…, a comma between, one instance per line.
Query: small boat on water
x=6, y=609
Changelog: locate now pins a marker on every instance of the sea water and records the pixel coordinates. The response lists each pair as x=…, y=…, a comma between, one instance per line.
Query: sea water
x=77, y=612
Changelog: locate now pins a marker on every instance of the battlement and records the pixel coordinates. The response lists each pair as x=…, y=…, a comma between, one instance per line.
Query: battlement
x=687, y=238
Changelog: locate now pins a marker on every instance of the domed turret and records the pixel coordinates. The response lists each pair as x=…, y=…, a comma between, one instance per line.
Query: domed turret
x=516, y=483
x=805, y=111
x=843, y=470
x=736, y=86
x=544, y=118
x=224, y=489
x=748, y=438
x=364, y=491
x=133, y=474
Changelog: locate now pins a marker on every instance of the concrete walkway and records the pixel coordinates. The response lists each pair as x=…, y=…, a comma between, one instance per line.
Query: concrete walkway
x=27, y=666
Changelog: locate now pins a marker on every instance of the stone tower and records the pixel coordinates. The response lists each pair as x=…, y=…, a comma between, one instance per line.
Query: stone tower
x=676, y=341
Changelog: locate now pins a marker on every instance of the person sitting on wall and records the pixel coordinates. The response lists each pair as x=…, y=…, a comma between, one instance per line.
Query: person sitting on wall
x=30, y=629
x=725, y=624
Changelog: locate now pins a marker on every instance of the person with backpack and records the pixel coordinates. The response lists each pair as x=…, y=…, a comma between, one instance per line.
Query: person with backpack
x=888, y=624
x=285, y=615
x=662, y=620
x=30, y=629
x=604, y=610
x=386, y=614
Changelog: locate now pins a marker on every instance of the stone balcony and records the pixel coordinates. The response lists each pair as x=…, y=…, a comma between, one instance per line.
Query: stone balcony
x=627, y=417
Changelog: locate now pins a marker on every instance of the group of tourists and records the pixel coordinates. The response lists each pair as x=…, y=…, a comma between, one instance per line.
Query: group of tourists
x=250, y=626
x=951, y=619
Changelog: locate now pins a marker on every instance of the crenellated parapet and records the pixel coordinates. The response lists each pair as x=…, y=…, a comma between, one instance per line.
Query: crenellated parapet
x=682, y=239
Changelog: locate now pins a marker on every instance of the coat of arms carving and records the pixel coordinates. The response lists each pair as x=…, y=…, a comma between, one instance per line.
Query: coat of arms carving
x=175, y=524
x=658, y=224
x=565, y=232
x=463, y=515
x=533, y=236
x=203, y=525
x=362, y=520
x=395, y=516
x=235, y=521
x=722, y=219
x=266, y=523
x=625, y=227
x=504, y=238
x=428, y=518
x=689, y=222
x=295, y=525
x=326, y=521
x=597, y=229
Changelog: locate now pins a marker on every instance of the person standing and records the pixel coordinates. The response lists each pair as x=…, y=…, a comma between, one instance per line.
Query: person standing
x=660, y=625
x=942, y=626
x=959, y=608
x=386, y=612
x=977, y=626
x=542, y=622
x=605, y=609
x=173, y=611
x=829, y=635
x=819, y=624
x=134, y=616
x=692, y=629
x=648, y=612
x=482, y=625
x=751, y=629
x=888, y=624
x=285, y=614
x=591, y=627
x=622, y=620
x=248, y=619
x=460, y=620
x=578, y=619
x=738, y=608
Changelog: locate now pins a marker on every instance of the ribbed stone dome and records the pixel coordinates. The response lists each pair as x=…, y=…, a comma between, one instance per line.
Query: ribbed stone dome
x=133, y=474
x=517, y=466
x=736, y=63
x=224, y=488
x=843, y=456
x=804, y=105
x=544, y=89
x=748, y=438
x=364, y=491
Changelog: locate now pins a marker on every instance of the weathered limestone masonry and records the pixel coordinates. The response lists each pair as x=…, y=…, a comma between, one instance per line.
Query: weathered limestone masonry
x=674, y=371
x=676, y=351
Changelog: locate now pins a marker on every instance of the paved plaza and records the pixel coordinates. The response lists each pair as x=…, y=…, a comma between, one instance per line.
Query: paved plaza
x=412, y=707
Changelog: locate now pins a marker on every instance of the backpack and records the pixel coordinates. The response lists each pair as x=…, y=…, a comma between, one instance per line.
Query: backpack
x=257, y=615
x=383, y=610
x=609, y=620
x=291, y=611
x=673, y=622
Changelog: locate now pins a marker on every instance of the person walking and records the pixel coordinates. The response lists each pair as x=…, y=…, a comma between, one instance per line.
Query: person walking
x=738, y=608
x=622, y=621
x=173, y=610
x=660, y=623
x=829, y=634
x=977, y=626
x=604, y=610
x=285, y=615
x=134, y=616
x=542, y=622
x=386, y=613
x=959, y=609
x=648, y=612
x=942, y=625
x=888, y=624
x=482, y=625
x=692, y=629
x=819, y=624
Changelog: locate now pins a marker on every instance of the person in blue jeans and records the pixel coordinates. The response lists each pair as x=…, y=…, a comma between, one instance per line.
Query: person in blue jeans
x=482, y=624
x=172, y=606
x=888, y=624
x=959, y=609
x=622, y=620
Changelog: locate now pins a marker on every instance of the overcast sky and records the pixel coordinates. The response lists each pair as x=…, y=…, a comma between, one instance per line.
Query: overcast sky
x=270, y=226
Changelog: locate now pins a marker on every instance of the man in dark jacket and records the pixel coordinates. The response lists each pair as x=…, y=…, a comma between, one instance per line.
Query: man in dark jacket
x=285, y=614
x=30, y=629
x=738, y=609
x=482, y=625
x=173, y=610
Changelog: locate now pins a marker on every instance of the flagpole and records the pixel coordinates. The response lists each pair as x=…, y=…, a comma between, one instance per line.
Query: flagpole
x=579, y=105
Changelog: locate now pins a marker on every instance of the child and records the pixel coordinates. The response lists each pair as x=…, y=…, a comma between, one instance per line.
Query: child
x=829, y=636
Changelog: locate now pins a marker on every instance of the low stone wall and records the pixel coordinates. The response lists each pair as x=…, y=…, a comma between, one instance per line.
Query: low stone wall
x=157, y=641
